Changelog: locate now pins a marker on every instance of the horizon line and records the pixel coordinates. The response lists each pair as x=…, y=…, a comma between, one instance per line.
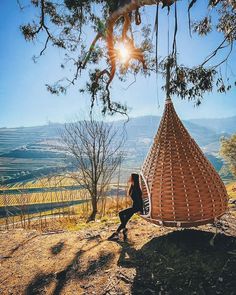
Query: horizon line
x=115, y=120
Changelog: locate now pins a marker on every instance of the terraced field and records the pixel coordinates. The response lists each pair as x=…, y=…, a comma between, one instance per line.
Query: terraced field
x=46, y=194
x=54, y=190
x=28, y=153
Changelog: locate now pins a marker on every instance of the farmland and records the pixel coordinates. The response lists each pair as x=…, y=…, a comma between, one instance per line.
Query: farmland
x=49, y=197
x=45, y=190
x=30, y=153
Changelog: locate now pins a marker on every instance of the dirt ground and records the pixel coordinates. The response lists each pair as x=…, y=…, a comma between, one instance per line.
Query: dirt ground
x=154, y=260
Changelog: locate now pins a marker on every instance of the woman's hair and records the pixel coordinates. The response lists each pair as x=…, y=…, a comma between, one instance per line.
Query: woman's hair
x=135, y=186
x=135, y=178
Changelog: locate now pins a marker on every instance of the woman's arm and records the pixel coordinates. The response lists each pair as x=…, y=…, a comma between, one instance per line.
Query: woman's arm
x=130, y=190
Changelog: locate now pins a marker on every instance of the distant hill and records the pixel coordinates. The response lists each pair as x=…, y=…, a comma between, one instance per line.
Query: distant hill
x=147, y=126
x=141, y=131
x=13, y=138
x=27, y=152
x=223, y=125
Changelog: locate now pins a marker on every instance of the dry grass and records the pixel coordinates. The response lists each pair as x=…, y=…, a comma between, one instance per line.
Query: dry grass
x=231, y=189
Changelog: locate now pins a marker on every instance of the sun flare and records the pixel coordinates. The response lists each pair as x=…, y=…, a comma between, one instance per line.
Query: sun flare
x=123, y=52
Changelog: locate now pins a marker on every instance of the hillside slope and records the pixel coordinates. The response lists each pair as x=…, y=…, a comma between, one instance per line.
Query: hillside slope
x=29, y=153
x=155, y=260
x=221, y=125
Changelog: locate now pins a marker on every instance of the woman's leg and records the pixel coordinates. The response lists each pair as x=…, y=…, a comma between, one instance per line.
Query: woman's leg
x=125, y=216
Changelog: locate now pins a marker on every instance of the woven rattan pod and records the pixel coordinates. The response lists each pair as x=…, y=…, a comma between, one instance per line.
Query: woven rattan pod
x=180, y=186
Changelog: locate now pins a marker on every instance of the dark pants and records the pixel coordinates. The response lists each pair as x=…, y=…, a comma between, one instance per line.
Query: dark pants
x=125, y=216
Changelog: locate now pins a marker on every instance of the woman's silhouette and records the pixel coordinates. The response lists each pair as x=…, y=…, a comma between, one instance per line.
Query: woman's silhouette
x=135, y=194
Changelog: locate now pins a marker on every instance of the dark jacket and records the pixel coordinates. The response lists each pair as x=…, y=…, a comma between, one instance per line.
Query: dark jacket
x=136, y=196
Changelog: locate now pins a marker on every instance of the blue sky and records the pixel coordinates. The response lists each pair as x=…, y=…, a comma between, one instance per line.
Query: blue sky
x=24, y=100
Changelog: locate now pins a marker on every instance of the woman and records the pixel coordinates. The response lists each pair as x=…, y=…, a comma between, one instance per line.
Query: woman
x=135, y=194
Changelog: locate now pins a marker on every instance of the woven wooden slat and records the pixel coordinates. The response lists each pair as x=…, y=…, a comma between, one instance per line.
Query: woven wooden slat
x=184, y=188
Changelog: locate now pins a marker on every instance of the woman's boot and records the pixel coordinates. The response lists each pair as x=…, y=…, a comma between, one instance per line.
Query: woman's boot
x=125, y=236
x=114, y=237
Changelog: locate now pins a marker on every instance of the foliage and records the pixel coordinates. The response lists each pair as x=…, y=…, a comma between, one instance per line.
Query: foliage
x=228, y=152
x=66, y=24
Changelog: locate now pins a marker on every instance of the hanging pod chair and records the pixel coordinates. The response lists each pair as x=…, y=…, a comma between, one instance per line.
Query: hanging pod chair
x=180, y=186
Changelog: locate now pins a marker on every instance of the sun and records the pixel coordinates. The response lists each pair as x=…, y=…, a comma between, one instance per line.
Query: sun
x=123, y=52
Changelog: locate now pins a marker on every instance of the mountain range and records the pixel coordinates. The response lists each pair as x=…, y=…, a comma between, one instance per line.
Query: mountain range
x=28, y=152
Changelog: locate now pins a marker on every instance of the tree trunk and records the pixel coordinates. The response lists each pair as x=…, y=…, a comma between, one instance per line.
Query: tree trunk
x=94, y=209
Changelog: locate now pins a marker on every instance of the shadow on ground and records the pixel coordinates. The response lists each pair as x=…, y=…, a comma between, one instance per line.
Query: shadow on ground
x=183, y=262
x=56, y=249
x=72, y=271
